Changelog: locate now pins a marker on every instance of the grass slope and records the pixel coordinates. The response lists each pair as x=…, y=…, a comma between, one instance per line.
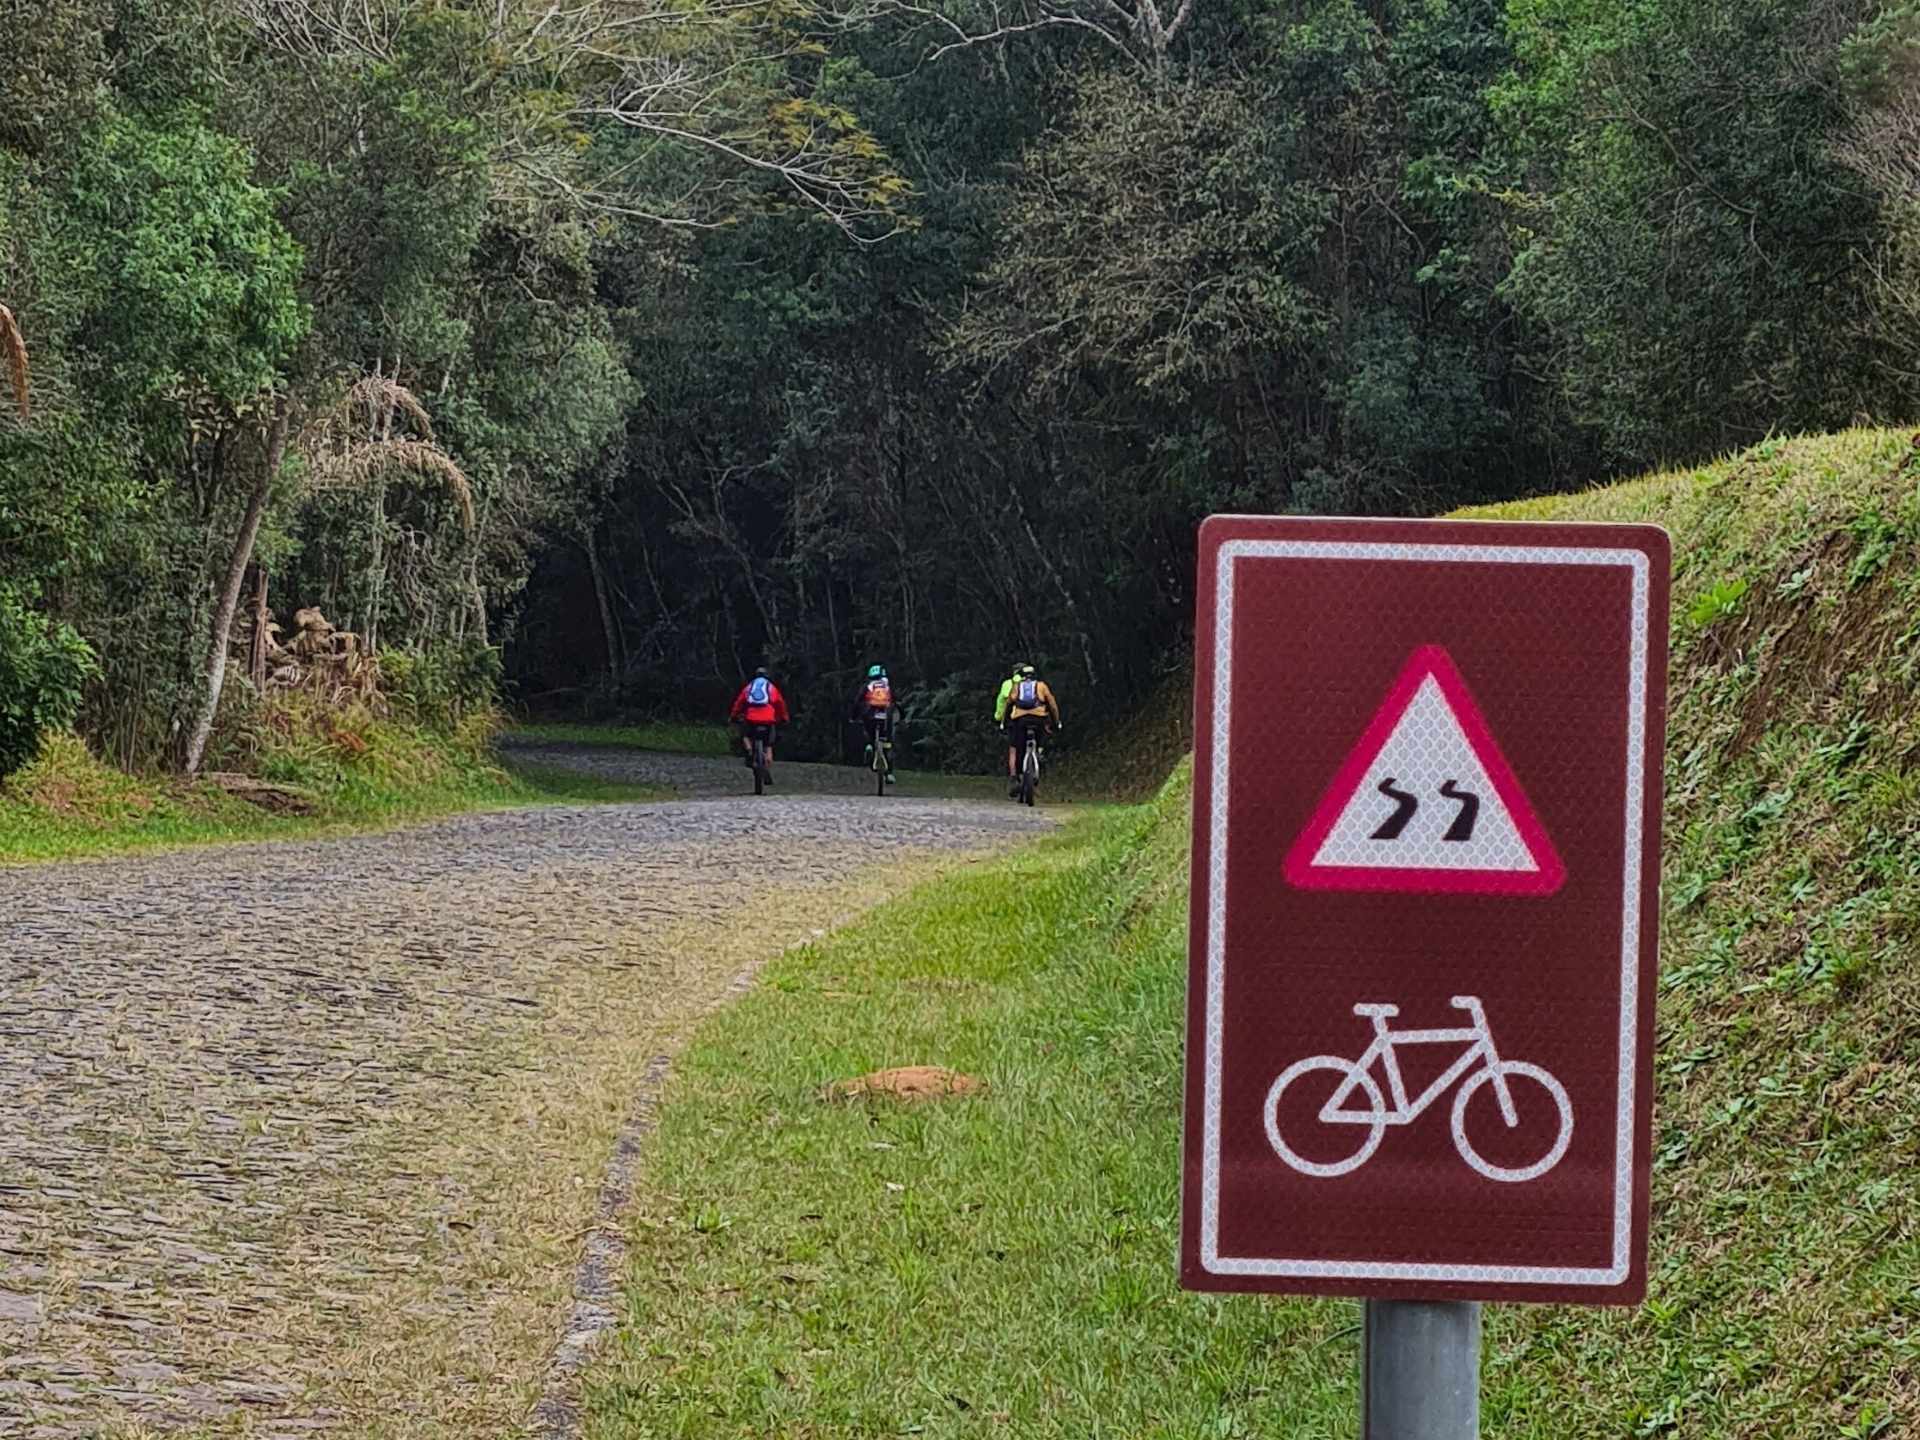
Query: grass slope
x=1130, y=761
x=67, y=804
x=1005, y=1264
x=1786, y=1243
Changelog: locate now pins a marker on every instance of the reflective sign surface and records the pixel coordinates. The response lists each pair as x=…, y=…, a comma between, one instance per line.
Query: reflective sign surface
x=1425, y=892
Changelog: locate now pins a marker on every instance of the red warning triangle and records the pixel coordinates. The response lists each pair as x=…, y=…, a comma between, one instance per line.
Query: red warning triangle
x=1426, y=802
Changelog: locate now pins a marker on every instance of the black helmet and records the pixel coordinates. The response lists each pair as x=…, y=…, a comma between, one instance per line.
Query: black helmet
x=761, y=673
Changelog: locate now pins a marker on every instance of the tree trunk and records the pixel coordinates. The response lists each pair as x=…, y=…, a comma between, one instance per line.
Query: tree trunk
x=833, y=624
x=257, y=655
x=216, y=670
x=376, y=567
x=479, y=600
x=1046, y=562
x=614, y=658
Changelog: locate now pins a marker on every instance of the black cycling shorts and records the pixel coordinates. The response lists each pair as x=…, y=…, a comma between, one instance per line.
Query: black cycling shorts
x=1021, y=726
x=763, y=733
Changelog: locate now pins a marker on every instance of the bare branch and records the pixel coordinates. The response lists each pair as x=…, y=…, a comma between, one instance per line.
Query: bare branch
x=1133, y=27
x=628, y=62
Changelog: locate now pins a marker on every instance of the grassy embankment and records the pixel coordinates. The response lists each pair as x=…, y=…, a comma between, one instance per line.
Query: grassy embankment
x=68, y=804
x=1004, y=1264
x=1130, y=761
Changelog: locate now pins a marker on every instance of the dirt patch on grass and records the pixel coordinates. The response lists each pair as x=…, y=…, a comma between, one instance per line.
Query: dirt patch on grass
x=264, y=794
x=907, y=1082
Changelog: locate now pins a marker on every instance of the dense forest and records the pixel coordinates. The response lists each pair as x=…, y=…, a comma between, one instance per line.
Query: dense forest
x=613, y=347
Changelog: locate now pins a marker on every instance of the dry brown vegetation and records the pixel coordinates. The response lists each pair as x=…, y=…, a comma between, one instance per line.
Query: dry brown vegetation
x=381, y=400
x=353, y=445
x=13, y=345
x=362, y=464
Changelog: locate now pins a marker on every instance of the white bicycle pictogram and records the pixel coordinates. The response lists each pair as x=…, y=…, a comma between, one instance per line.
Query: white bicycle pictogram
x=1493, y=1073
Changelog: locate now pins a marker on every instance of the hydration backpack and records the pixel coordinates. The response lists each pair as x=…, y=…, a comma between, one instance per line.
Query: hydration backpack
x=1026, y=695
x=760, y=692
x=879, y=694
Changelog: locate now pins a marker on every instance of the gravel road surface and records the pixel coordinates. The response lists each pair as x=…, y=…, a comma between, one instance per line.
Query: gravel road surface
x=302, y=1137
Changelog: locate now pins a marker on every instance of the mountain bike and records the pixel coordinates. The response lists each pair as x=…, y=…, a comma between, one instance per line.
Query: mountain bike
x=1490, y=1074
x=758, y=739
x=880, y=756
x=1030, y=768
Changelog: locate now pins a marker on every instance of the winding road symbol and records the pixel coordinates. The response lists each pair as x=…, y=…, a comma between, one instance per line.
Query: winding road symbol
x=1407, y=805
x=1426, y=802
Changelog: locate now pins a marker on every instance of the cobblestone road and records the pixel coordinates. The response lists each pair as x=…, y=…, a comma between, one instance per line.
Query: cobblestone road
x=298, y=1138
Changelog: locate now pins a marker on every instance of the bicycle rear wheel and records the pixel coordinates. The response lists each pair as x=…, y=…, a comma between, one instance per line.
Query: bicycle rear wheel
x=1029, y=774
x=879, y=768
x=759, y=767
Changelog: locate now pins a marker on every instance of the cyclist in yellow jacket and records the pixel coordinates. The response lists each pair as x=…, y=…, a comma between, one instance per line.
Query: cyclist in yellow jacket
x=1025, y=707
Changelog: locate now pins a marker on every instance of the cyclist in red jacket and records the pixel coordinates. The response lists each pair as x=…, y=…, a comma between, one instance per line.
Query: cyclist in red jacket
x=759, y=707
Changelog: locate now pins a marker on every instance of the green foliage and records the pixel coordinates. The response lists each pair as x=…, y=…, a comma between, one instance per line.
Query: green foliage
x=1721, y=599
x=949, y=726
x=195, y=277
x=439, y=687
x=1160, y=237
x=205, y=215
x=1688, y=198
x=42, y=669
x=766, y=333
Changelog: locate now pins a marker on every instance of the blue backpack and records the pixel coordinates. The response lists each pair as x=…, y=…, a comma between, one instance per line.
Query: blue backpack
x=760, y=691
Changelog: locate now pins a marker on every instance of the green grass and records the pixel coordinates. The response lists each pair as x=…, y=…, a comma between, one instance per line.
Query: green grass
x=686, y=737
x=1006, y=1265
x=68, y=805
x=996, y=1265
x=1785, y=1298
x=534, y=784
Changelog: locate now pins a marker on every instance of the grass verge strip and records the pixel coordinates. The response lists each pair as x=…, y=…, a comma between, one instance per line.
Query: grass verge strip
x=1001, y=1263
x=67, y=805
x=1005, y=1263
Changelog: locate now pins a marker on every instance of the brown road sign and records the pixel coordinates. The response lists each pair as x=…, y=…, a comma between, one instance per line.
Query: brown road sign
x=1425, y=905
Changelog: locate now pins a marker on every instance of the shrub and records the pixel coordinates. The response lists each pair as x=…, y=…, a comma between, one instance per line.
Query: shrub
x=43, y=669
x=440, y=687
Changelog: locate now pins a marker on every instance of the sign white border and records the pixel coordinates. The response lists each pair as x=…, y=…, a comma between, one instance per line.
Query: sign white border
x=1388, y=551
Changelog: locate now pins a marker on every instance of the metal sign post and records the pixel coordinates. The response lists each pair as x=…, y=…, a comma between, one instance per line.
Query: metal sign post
x=1421, y=1370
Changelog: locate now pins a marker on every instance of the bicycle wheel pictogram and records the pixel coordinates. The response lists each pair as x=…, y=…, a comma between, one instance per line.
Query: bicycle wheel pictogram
x=1374, y=1121
x=1507, y=1071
